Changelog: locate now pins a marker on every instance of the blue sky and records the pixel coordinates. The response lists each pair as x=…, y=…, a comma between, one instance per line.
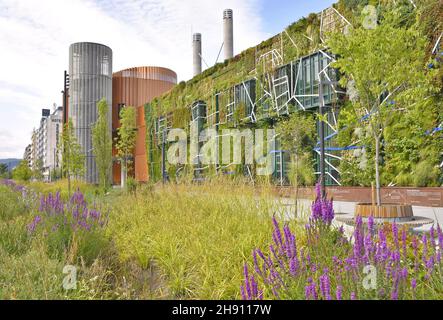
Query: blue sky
x=35, y=37
x=279, y=14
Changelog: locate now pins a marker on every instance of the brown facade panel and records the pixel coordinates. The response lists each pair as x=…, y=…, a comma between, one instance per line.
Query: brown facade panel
x=135, y=87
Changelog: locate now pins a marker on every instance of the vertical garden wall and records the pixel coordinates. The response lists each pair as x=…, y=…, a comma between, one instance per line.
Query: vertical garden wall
x=265, y=86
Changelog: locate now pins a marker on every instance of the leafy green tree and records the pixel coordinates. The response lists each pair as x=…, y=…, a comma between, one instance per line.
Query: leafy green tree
x=73, y=159
x=37, y=170
x=126, y=139
x=3, y=170
x=296, y=134
x=386, y=67
x=22, y=171
x=102, y=144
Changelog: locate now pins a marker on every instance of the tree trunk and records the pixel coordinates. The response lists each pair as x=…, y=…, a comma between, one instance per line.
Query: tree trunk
x=377, y=169
x=296, y=186
x=124, y=174
x=69, y=186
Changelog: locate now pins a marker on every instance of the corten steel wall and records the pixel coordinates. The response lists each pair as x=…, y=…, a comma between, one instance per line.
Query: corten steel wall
x=427, y=197
x=90, y=70
x=136, y=87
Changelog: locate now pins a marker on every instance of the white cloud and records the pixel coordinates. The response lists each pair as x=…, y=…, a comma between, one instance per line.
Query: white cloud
x=35, y=37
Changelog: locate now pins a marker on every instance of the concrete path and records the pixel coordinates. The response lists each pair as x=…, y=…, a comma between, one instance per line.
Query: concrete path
x=341, y=207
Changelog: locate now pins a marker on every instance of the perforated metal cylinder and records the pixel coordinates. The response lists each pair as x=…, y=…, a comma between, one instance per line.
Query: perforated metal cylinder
x=228, y=33
x=197, y=51
x=90, y=70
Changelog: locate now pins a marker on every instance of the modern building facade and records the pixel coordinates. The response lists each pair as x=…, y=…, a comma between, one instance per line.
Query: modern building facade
x=42, y=154
x=90, y=75
x=34, y=138
x=135, y=87
x=28, y=155
x=54, y=129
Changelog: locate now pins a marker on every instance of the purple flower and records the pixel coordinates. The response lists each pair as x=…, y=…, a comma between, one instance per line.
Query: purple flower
x=440, y=237
x=371, y=224
x=322, y=209
x=339, y=292
x=311, y=290
x=325, y=286
x=414, y=284
x=34, y=223
x=432, y=237
x=353, y=296
x=395, y=233
x=425, y=247
x=293, y=266
x=277, y=237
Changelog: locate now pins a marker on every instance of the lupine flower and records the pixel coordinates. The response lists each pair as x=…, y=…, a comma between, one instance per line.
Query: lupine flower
x=353, y=296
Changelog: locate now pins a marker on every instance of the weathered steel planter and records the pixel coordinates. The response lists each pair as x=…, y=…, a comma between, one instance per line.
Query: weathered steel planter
x=387, y=211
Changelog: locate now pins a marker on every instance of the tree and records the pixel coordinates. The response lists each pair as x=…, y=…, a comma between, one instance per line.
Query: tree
x=3, y=170
x=386, y=67
x=22, y=171
x=296, y=135
x=73, y=160
x=37, y=170
x=102, y=144
x=126, y=138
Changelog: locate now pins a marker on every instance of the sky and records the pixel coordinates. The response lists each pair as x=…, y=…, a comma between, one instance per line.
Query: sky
x=35, y=38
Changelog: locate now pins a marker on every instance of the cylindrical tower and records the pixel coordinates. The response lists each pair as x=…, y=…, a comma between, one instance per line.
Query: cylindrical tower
x=135, y=87
x=228, y=33
x=197, y=53
x=90, y=71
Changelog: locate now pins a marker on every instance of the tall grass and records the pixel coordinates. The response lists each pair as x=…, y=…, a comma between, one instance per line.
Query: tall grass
x=195, y=237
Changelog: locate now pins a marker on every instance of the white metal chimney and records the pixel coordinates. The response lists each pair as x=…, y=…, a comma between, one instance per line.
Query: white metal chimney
x=228, y=30
x=197, y=53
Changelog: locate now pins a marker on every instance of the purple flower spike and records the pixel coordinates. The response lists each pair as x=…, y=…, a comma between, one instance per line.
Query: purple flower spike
x=371, y=224
x=322, y=209
x=414, y=284
x=325, y=286
x=339, y=292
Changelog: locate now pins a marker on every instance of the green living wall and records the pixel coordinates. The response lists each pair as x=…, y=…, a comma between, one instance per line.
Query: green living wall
x=233, y=95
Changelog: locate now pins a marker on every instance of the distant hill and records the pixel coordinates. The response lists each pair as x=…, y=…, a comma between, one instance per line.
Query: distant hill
x=11, y=163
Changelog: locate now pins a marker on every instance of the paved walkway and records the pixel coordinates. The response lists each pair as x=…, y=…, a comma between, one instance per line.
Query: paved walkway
x=341, y=207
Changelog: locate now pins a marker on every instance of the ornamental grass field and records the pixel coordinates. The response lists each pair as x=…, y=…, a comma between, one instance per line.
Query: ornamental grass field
x=218, y=240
